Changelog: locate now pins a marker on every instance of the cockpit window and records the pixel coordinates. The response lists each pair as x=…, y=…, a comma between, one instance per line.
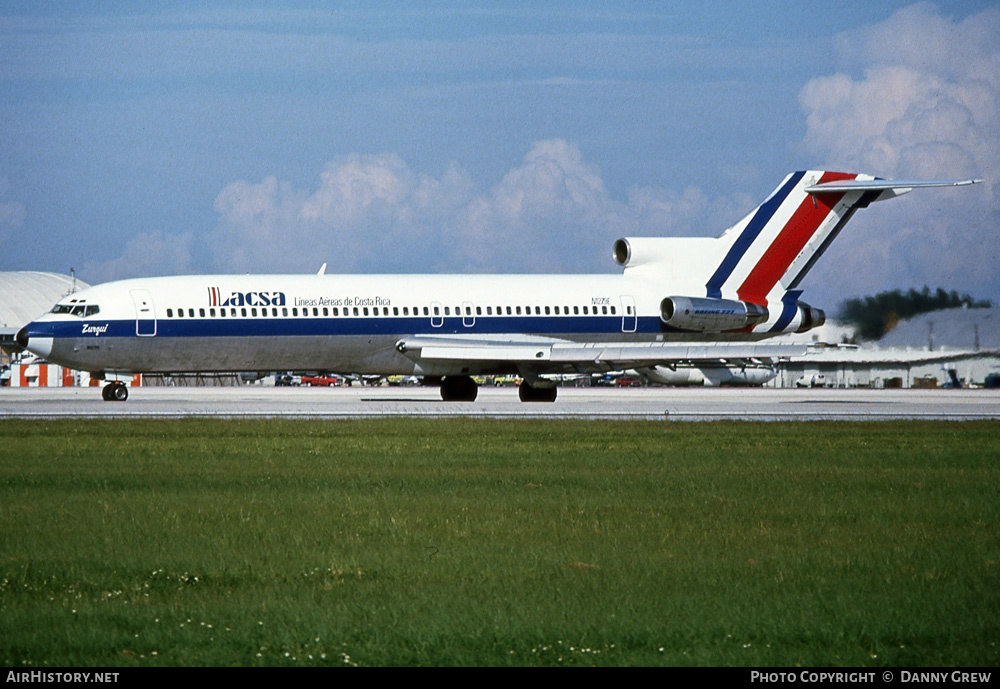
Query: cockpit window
x=80, y=310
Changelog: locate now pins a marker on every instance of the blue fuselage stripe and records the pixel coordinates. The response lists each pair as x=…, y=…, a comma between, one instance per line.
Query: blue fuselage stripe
x=293, y=327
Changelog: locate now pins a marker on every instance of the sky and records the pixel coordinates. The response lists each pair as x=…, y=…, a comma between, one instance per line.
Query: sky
x=142, y=138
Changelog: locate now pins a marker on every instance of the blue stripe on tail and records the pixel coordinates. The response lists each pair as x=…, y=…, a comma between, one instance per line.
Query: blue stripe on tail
x=764, y=214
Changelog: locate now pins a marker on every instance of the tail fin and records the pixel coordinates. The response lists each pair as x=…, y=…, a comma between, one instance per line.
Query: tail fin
x=751, y=272
x=765, y=256
x=780, y=240
x=772, y=249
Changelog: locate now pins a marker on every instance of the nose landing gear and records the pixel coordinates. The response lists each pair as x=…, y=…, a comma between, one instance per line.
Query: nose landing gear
x=115, y=392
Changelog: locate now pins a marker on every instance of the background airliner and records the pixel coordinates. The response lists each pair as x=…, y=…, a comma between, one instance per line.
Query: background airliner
x=678, y=300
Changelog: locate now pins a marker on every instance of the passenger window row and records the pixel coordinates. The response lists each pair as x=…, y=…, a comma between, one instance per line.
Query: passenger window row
x=326, y=312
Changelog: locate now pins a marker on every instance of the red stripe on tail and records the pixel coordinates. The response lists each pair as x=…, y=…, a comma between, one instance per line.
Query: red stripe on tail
x=786, y=246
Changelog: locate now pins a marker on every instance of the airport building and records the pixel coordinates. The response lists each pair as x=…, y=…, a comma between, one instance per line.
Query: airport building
x=936, y=349
x=31, y=373
x=849, y=366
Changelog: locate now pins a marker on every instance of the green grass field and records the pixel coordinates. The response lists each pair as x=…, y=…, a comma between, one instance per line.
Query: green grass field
x=472, y=542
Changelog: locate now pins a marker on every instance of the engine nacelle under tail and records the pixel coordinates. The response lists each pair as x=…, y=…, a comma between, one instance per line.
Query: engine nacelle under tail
x=706, y=314
x=809, y=317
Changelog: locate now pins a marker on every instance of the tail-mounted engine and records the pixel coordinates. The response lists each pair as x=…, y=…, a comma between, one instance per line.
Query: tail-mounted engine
x=710, y=315
x=809, y=317
x=705, y=314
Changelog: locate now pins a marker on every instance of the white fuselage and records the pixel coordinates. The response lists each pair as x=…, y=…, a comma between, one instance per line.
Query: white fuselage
x=342, y=323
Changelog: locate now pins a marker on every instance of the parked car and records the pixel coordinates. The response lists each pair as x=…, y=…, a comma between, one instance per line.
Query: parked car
x=396, y=381
x=628, y=382
x=327, y=380
x=814, y=381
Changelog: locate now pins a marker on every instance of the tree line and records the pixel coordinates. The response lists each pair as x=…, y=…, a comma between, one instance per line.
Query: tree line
x=874, y=316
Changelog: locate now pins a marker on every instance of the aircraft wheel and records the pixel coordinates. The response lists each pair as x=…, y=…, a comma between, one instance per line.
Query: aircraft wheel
x=459, y=389
x=529, y=394
x=115, y=392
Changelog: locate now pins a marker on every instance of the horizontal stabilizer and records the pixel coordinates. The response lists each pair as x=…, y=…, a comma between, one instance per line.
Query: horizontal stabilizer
x=842, y=185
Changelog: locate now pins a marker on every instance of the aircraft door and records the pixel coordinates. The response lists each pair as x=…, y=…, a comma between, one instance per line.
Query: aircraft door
x=468, y=315
x=628, y=314
x=145, y=313
x=437, y=317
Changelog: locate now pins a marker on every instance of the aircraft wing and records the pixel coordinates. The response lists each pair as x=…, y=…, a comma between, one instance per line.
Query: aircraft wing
x=556, y=355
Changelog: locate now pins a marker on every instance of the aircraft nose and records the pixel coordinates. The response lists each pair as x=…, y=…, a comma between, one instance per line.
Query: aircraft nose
x=37, y=340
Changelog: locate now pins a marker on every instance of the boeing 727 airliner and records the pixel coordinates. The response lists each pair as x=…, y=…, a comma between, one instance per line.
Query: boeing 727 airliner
x=677, y=300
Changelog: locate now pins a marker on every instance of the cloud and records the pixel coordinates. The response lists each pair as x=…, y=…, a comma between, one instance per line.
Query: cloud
x=926, y=105
x=259, y=226
x=367, y=212
x=373, y=213
x=12, y=214
x=553, y=206
x=147, y=254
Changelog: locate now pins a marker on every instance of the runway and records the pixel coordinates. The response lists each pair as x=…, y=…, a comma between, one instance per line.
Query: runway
x=668, y=404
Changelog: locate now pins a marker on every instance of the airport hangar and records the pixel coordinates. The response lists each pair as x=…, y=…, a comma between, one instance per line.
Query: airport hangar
x=849, y=367
x=932, y=349
x=25, y=295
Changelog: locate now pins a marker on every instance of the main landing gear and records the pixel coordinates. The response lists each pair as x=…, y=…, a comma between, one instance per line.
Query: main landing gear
x=527, y=393
x=464, y=389
x=115, y=392
x=459, y=389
